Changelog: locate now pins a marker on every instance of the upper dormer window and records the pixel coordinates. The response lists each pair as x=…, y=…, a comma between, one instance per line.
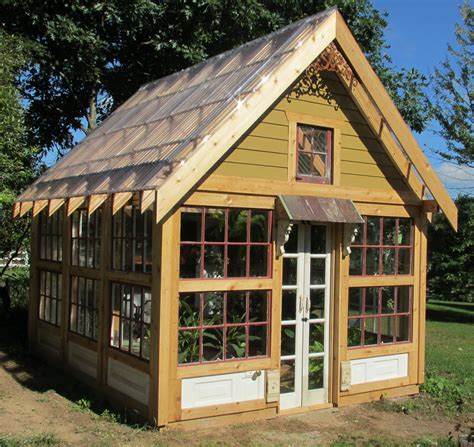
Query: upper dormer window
x=314, y=153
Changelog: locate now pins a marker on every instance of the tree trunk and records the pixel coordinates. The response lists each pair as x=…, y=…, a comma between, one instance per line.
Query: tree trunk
x=92, y=113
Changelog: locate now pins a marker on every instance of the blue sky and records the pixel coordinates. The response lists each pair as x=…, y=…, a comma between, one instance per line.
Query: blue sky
x=418, y=33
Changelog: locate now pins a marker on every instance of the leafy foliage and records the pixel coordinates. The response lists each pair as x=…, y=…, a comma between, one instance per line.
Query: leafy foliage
x=454, y=92
x=89, y=57
x=17, y=157
x=451, y=255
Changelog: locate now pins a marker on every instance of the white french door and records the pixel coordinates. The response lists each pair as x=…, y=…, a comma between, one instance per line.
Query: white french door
x=305, y=316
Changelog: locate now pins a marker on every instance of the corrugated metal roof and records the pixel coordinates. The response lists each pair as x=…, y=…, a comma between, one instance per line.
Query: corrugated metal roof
x=151, y=135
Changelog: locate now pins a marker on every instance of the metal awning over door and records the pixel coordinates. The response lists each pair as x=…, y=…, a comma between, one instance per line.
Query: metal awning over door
x=318, y=209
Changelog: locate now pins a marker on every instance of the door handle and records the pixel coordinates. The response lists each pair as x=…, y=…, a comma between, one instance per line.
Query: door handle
x=301, y=304
x=308, y=304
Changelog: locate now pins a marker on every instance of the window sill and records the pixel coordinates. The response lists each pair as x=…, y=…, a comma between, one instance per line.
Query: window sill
x=129, y=359
x=381, y=280
x=223, y=284
x=355, y=353
x=233, y=366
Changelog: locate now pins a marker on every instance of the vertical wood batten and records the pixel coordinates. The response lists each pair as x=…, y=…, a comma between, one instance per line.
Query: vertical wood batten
x=66, y=280
x=34, y=285
x=422, y=298
x=104, y=309
x=276, y=302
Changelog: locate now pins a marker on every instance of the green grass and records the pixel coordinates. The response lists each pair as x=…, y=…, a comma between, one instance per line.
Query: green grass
x=43, y=439
x=450, y=311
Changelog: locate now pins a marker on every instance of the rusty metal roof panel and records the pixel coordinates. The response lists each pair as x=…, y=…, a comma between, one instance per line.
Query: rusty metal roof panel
x=319, y=209
x=151, y=135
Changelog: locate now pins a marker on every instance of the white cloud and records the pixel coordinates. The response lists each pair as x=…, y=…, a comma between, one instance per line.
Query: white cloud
x=458, y=179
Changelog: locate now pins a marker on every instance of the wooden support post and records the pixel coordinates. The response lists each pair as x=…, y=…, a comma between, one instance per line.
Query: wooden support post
x=34, y=285
x=422, y=299
x=66, y=280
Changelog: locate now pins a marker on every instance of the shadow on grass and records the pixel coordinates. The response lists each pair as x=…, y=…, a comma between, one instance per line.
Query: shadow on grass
x=39, y=377
x=450, y=312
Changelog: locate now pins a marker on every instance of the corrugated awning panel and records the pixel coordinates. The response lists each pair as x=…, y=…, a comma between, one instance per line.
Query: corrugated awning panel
x=319, y=209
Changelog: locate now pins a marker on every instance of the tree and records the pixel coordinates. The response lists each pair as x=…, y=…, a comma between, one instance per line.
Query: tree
x=91, y=55
x=453, y=107
x=451, y=255
x=17, y=157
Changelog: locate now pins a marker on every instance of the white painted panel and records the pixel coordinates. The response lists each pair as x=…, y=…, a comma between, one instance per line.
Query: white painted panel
x=49, y=342
x=128, y=380
x=83, y=359
x=222, y=389
x=379, y=368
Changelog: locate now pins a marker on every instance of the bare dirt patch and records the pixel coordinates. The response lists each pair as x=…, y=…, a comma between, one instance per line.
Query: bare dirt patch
x=36, y=400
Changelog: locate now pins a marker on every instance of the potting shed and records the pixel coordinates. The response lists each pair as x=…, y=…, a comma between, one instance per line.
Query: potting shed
x=242, y=239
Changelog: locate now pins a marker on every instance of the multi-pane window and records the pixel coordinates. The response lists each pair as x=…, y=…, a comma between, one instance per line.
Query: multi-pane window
x=85, y=238
x=131, y=318
x=379, y=315
x=51, y=236
x=383, y=246
x=50, y=297
x=225, y=243
x=131, y=239
x=84, y=309
x=314, y=153
x=220, y=326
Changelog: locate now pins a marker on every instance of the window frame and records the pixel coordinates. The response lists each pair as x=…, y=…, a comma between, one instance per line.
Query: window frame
x=94, y=240
x=46, y=235
x=95, y=308
x=226, y=243
x=329, y=156
x=58, y=299
x=267, y=323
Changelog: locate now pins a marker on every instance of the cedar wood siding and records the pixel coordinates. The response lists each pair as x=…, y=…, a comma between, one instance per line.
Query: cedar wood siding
x=263, y=153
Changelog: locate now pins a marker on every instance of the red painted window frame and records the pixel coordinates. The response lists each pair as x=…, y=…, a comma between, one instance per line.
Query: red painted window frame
x=329, y=148
x=381, y=246
x=202, y=243
x=379, y=316
x=247, y=324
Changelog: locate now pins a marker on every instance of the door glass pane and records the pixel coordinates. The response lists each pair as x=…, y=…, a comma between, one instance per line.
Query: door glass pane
x=288, y=334
x=315, y=373
x=318, y=239
x=287, y=376
x=371, y=331
x=316, y=309
x=356, y=261
x=289, y=271
x=317, y=271
x=372, y=300
x=354, y=333
x=288, y=309
x=388, y=300
x=316, y=338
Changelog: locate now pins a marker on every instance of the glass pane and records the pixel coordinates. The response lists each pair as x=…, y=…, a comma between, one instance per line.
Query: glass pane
x=304, y=163
x=259, y=260
x=188, y=346
x=404, y=261
x=319, y=165
x=289, y=271
x=238, y=220
x=315, y=373
x=258, y=306
x=287, y=376
x=359, y=234
x=236, y=307
x=288, y=339
x=146, y=337
x=136, y=338
x=190, y=261
x=189, y=305
x=354, y=333
x=403, y=299
x=388, y=261
x=371, y=330
x=388, y=300
x=292, y=244
x=404, y=231
x=259, y=226
x=389, y=231
x=403, y=329
x=138, y=258
x=128, y=254
x=288, y=309
x=213, y=310
x=316, y=338
x=318, y=272
x=237, y=261
x=355, y=301
x=117, y=255
x=236, y=342
x=191, y=225
x=125, y=324
x=318, y=239
x=372, y=266
x=373, y=230
x=316, y=309
x=355, y=266
x=215, y=225
x=114, y=331
x=212, y=344
x=387, y=329
x=371, y=300
x=126, y=301
x=258, y=340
